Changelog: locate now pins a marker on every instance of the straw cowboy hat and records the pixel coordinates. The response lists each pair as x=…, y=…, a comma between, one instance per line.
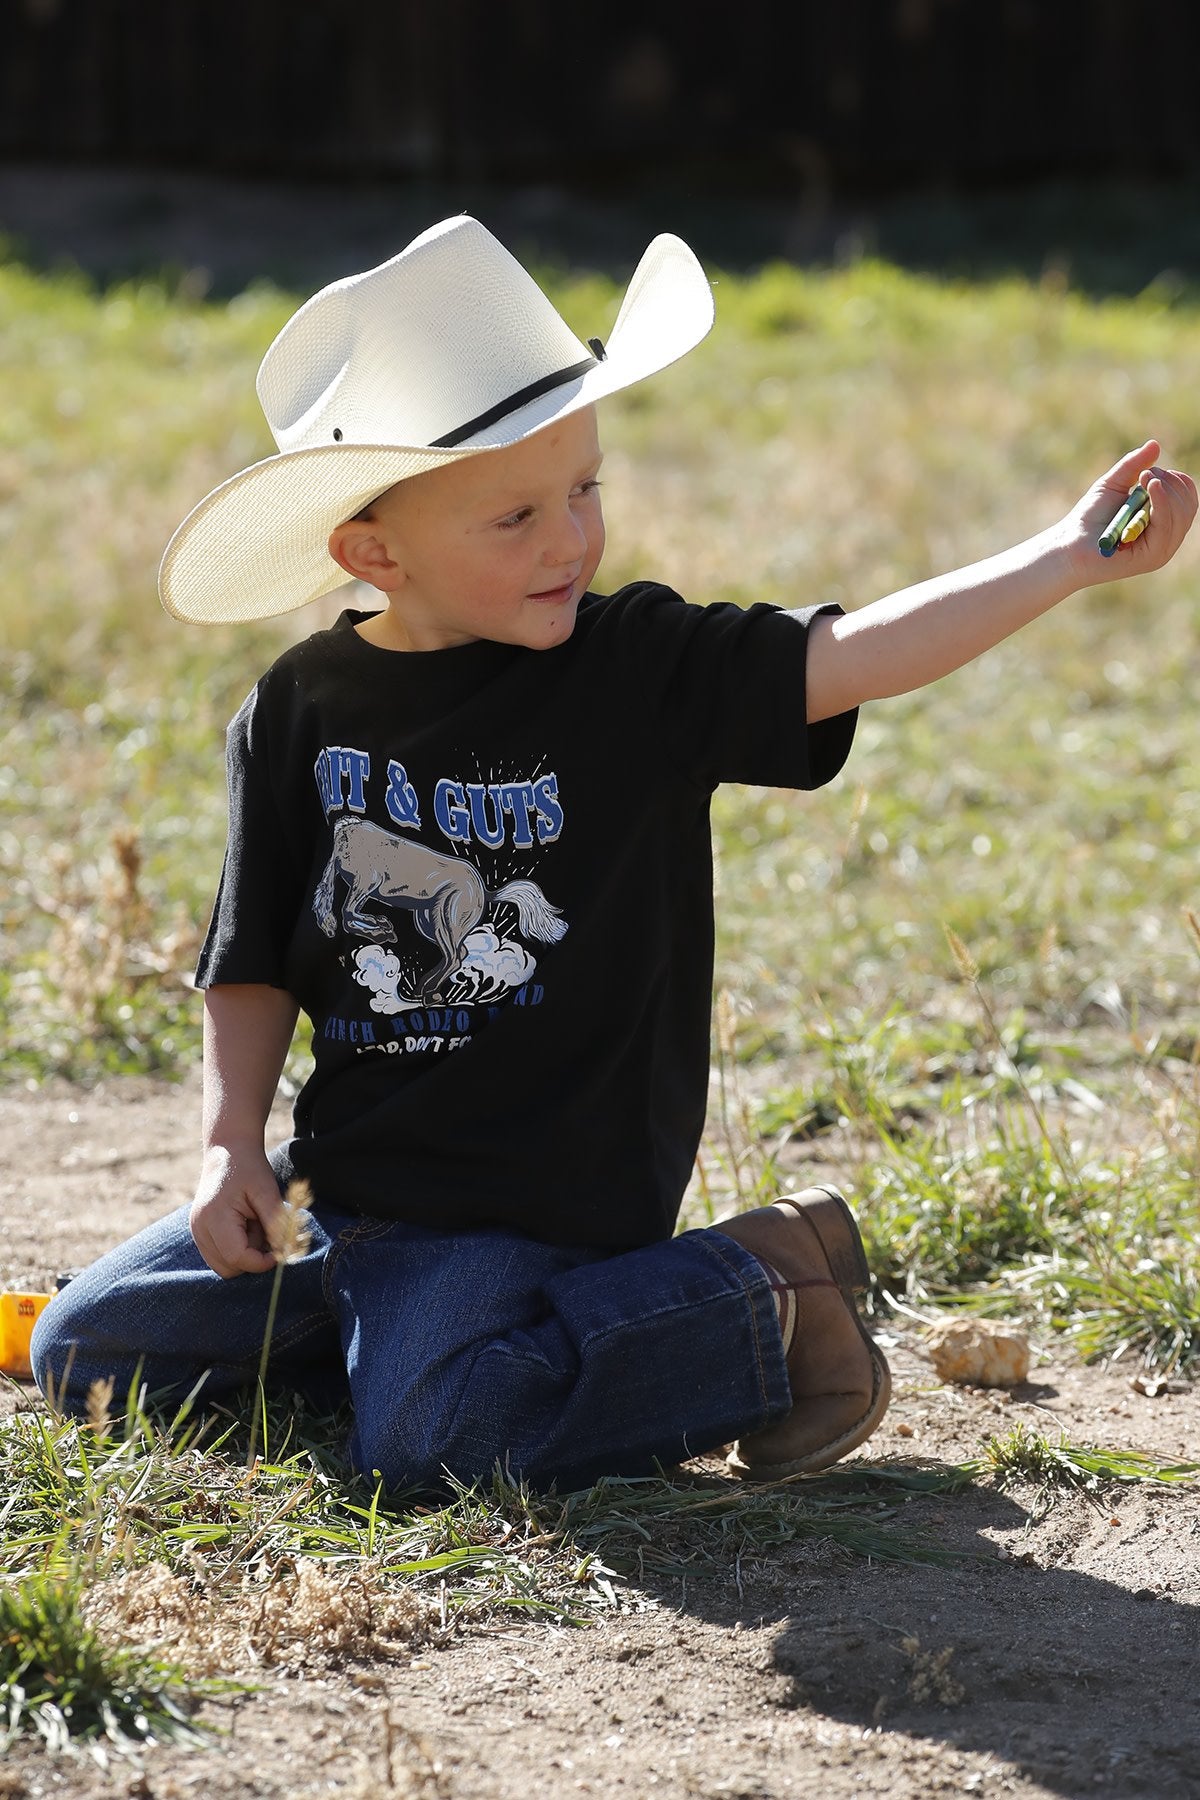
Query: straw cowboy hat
x=448, y=350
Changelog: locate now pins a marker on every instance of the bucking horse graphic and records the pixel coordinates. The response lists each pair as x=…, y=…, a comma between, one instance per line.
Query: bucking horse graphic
x=446, y=896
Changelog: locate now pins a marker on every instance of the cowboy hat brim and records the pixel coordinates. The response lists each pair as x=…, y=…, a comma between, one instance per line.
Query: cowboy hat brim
x=224, y=564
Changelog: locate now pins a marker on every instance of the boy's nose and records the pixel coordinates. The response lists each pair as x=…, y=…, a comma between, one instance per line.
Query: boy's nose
x=566, y=543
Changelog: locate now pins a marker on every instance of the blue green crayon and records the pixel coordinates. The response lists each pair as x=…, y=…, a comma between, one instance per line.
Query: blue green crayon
x=1108, y=541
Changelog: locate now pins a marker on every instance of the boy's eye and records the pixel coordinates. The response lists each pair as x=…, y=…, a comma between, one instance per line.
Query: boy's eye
x=518, y=518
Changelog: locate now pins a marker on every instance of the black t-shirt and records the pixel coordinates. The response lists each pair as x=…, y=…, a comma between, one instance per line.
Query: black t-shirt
x=485, y=874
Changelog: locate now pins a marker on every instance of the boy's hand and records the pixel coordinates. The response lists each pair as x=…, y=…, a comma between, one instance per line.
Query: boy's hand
x=1172, y=509
x=908, y=639
x=235, y=1206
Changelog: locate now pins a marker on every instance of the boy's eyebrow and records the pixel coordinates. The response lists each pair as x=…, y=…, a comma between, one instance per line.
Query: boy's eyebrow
x=502, y=500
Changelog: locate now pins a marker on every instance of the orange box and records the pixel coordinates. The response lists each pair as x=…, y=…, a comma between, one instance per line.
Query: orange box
x=18, y=1316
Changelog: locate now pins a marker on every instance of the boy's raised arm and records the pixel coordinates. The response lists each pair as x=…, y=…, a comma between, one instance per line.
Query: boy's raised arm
x=921, y=633
x=247, y=1030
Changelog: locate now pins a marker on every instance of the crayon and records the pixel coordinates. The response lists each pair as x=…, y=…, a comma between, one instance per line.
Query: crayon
x=1136, y=526
x=1135, y=500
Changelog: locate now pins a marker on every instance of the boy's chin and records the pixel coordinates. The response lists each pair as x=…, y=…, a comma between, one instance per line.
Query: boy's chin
x=554, y=627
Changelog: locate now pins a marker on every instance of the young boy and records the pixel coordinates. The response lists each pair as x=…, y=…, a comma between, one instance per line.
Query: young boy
x=469, y=838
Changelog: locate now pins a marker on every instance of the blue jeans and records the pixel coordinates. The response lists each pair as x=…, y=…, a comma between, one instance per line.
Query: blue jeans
x=456, y=1349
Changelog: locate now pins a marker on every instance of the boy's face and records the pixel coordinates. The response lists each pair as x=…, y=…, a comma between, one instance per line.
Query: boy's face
x=500, y=546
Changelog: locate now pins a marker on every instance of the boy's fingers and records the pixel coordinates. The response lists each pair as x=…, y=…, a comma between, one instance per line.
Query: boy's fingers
x=231, y=1241
x=1173, y=505
x=266, y=1206
x=1170, y=487
x=253, y=1258
x=1123, y=474
x=231, y=1254
x=1176, y=482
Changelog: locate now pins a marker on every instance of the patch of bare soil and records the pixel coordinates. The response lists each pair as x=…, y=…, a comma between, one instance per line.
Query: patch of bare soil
x=1058, y=1659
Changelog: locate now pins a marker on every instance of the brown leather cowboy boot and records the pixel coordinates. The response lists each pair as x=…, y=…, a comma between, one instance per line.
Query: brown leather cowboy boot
x=810, y=1247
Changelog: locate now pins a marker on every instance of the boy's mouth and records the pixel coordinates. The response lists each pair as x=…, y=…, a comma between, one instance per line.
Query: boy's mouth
x=556, y=595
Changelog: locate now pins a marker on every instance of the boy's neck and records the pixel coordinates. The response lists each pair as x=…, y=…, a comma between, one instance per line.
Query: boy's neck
x=388, y=630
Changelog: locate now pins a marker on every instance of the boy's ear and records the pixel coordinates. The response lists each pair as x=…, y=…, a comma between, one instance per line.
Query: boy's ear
x=358, y=548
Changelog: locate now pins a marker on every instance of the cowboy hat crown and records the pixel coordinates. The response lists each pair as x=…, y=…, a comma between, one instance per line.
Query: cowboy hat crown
x=382, y=358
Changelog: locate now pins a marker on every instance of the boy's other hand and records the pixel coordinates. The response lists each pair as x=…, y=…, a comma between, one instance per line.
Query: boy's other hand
x=235, y=1206
x=1172, y=509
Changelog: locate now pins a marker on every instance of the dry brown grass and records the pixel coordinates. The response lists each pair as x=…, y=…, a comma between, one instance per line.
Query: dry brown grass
x=300, y=1615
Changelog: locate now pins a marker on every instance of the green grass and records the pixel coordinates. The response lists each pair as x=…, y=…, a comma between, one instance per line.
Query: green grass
x=1024, y=1457
x=140, y=1490
x=62, y=1682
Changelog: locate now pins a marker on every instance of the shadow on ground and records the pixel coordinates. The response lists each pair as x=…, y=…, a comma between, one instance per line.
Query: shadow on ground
x=1078, y=1683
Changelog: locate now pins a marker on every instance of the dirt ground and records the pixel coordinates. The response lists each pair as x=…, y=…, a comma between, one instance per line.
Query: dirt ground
x=1073, y=1638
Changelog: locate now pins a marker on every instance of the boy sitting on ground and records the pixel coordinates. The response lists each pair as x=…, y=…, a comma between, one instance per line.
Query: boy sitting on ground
x=469, y=838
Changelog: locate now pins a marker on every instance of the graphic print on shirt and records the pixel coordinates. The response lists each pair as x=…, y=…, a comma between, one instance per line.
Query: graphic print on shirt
x=377, y=874
x=491, y=967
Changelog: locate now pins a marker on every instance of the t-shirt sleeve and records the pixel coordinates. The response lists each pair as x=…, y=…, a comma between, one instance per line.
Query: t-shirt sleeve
x=259, y=893
x=727, y=686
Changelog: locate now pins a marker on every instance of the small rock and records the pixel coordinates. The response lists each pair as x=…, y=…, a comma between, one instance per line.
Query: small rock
x=1155, y=1385
x=980, y=1353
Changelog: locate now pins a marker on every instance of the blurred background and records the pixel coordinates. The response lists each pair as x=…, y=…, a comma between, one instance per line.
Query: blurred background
x=234, y=141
